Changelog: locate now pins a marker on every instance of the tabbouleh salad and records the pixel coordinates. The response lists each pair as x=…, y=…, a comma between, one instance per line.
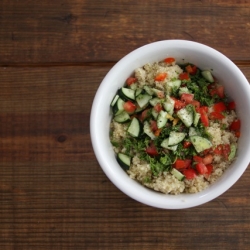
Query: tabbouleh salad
x=174, y=129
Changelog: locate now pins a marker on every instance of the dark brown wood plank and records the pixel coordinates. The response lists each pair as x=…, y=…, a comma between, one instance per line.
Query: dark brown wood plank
x=74, y=31
x=54, y=195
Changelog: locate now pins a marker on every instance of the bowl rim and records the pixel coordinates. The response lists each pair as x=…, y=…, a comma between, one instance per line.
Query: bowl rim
x=184, y=200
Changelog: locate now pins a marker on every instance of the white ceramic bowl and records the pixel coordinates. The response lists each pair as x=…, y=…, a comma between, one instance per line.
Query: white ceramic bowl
x=236, y=85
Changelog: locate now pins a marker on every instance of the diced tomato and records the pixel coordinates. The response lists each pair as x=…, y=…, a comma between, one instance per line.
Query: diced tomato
x=129, y=107
x=182, y=164
x=237, y=134
x=218, y=150
x=208, y=159
x=226, y=150
x=160, y=77
x=196, y=104
x=235, y=125
x=216, y=116
x=197, y=158
x=178, y=104
x=145, y=114
x=189, y=173
x=187, y=144
x=161, y=94
x=158, y=107
x=209, y=170
x=191, y=69
x=201, y=168
x=169, y=60
x=217, y=90
x=231, y=105
x=184, y=76
x=153, y=125
x=187, y=98
x=131, y=80
x=219, y=107
x=152, y=150
x=157, y=132
x=204, y=117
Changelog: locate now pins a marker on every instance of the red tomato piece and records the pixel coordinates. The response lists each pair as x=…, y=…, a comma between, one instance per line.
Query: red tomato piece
x=145, y=114
x=196, y=104
x=226, y=150
x=197, y=158
x=169, y=60
x=191, y=69
x=153, y=125
x=182, y=164
x=208, y=159
x=186, y=144
x=157, y=132
x=204, y=117
x=216, y=116
x=129, y=107
x=131, y=80
x=201, y=168
x=209, y=170
x=231, y=105
x=237, y=134
x=219, y=107
x=152, y=150
x=160, y=77
x=189, y=173
x=184, y=76
x=158, y=107
x=178, y=104
x=187, y=98
x=217, y=90
x=161, y=94
x=218, y=150
x=235, y=125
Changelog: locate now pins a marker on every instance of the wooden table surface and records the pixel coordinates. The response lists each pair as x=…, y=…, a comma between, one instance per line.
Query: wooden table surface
x=53, y=56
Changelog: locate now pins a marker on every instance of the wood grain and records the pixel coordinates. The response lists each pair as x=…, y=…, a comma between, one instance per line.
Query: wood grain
x=66, y=31
x=53, y=193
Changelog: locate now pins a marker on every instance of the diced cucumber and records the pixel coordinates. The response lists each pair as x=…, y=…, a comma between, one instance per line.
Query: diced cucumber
x=175, y=138
x=162, y=119
x=186, y=115
x=154, y=114
x=183, y=90
x=172, y=84
x=156, y=92
x=200, y=143
x=133, y=86
x=143, y=99
x=124, y=161
x=126, y=94
x=169, y=105
x=135, y=128
x=138, y=92
x=197, y=117
x=165, y=144
x=177, y=174
x=114, y=100
x=139, y=109
x=147, y=130
x=192, y=131
x=207, y=75
x=122, y=117
x=118, y=107
x=148, y=90
x=233, y=148
x=155, y=101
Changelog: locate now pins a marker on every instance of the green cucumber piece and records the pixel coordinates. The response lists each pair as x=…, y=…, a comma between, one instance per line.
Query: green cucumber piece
x=124, y=161
x=165, y=144
x=175, y=138
x=155, y=101
x=186, y=115
x=162, y=119
x=126, y=94
x=135, y=128
x=147, y=130
x=122, y=117
x=233, y=148
x=143, y=99
x=177, y=174
x=172, y=84
x=200, y=143
x=118, y=107
x=207, y=75
x=148, y=90
x=113, y=102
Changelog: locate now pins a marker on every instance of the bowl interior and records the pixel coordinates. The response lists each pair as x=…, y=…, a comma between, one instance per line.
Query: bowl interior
x=236, y=86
